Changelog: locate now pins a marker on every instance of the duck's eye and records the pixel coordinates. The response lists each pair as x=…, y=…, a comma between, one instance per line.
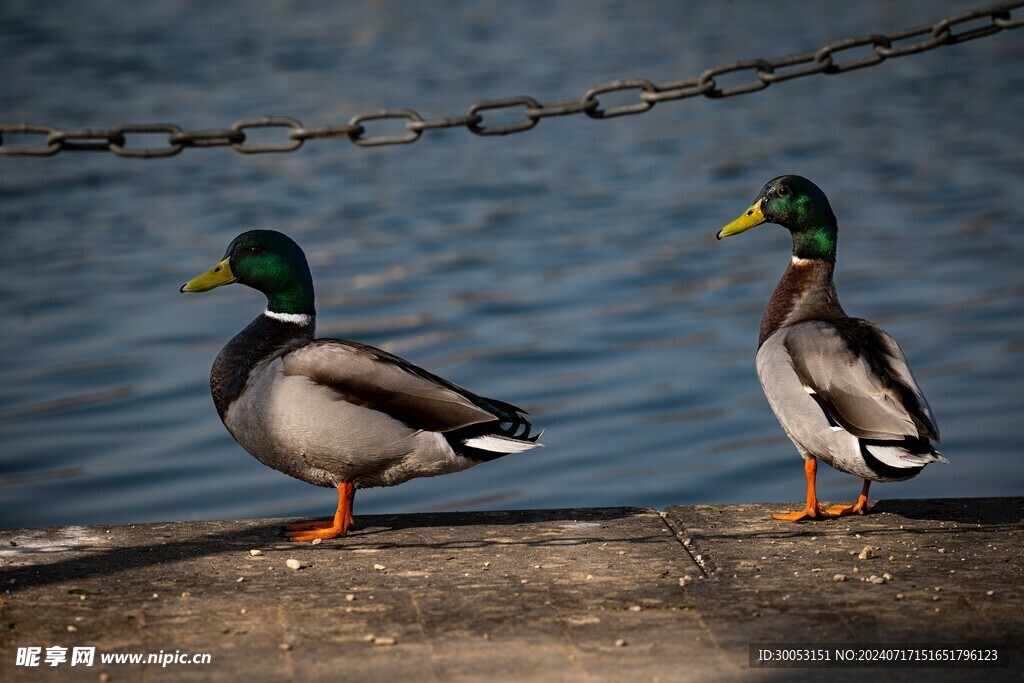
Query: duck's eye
x=782, y=192
x=255, y=250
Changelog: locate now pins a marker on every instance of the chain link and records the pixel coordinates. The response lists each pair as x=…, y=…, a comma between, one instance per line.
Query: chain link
x=948, y=31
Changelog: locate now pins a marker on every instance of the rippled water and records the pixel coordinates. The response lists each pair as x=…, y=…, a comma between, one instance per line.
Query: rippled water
x=572, y=269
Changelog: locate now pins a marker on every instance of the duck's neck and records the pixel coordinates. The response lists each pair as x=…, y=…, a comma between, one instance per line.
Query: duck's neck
x=265, y=337
x=296, y=298
x=805, y=292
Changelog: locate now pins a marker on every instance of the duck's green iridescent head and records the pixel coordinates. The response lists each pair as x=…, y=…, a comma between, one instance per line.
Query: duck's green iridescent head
x=798, y=205
x=266, y=260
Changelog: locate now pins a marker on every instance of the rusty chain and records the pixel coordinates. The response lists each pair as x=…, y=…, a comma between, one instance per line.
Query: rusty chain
x=765, y=73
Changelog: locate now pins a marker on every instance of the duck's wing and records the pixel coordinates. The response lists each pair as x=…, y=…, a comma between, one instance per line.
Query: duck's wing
x=375, y=379
x=860, y=375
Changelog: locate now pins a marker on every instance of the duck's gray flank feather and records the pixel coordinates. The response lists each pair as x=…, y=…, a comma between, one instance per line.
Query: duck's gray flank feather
x=862, y=376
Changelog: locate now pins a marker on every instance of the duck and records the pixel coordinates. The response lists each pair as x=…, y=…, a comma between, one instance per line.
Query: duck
x=840, y=387
x=337, y=413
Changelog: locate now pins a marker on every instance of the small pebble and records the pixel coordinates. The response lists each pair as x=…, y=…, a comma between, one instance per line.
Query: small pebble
x=856, y=570
x=350, y=597
x=487, y=636
x=293, y=563
x=899, y=596
x=525, y=581
x=105, y=677
x=866, y=553
x=635, y=608
x=990, y=592
x=242, y=611
x=284, y=646
x=240, y=579
x=369, y=638
x=384, y=640
x=875, y=579
x=892, y=557
x=156, y=596
x=486, y=565
x=683, y=580
x=839, y=577
x=621, y=642
x=72, y=629
x=186, y=595
x=887, y=576
x=317, y=541
x=255, y=552
x=379, y=567
x=942, y=550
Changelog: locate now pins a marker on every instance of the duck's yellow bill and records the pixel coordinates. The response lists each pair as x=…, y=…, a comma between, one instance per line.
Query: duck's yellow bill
x=751, y=218
x=219, y=275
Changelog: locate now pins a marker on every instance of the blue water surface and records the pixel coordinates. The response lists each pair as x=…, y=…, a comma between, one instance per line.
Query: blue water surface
x=571, y=269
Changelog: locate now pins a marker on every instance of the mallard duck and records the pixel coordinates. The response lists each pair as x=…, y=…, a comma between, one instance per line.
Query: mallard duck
x=840, y=386
x=338, y=413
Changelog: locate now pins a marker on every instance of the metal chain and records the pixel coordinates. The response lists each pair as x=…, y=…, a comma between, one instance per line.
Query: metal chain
x=765, y=73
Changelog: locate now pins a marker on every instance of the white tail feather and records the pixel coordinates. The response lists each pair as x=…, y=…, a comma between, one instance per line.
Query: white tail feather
x=894, y=456
x=500, y=444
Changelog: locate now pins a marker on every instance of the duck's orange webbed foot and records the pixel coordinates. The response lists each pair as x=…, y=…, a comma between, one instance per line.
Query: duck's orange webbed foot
x=313, y=530
x=808, y=513
x=858, y=508
x=813, y=509
x=339, y=526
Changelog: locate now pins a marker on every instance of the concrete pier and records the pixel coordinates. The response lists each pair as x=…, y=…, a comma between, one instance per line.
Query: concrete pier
x=623, y=594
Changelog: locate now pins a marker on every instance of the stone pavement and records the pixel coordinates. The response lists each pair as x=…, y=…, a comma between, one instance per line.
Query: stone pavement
x=622, y=594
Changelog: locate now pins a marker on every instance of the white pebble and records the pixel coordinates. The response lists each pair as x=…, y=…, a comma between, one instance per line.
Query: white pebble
x=621, y=642
x=350, y=597
x=379, y=567
x=255, y=552
x=384, y=640
x=317, y=541
x=293, y=563
x=866, y=553
x=839, y=577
